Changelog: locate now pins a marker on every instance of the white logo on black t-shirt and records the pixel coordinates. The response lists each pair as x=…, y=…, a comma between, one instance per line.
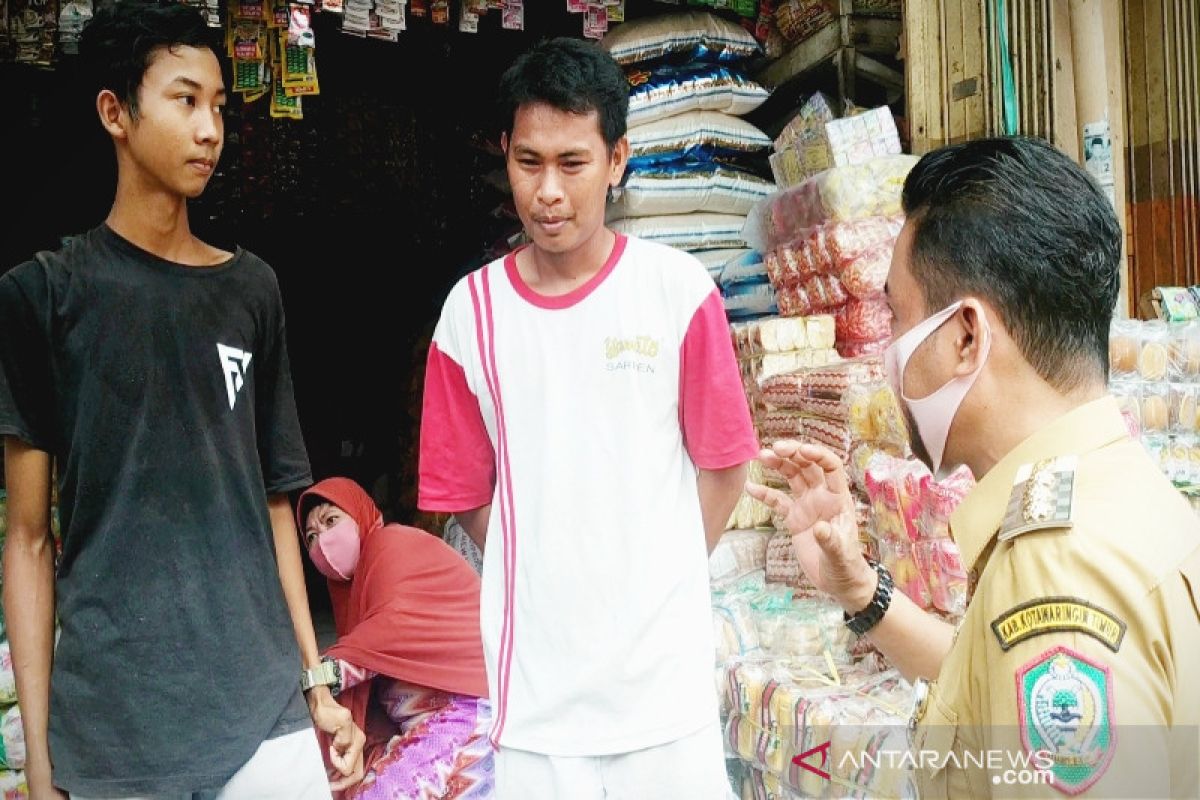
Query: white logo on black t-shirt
x=234, y=362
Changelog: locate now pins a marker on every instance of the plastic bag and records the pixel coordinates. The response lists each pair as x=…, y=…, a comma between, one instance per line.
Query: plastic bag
x=694, y=136
x=698, y=34
x=665, y=91
x=841, y=194
x=685, y=188
x=864, y=321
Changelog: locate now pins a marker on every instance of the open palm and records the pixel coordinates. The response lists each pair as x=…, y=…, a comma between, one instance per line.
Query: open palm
x=818, y=511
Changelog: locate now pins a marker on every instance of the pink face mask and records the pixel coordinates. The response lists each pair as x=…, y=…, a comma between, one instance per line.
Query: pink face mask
x=933, y=414
x=335, y=551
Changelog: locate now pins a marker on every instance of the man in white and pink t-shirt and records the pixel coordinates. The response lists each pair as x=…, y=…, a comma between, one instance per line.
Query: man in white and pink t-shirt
x=583, y=412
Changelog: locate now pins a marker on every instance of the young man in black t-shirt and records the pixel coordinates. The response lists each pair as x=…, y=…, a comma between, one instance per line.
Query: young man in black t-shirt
x=153, y=368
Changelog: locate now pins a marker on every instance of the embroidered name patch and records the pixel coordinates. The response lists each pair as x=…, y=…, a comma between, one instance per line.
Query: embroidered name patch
x=1055, y=615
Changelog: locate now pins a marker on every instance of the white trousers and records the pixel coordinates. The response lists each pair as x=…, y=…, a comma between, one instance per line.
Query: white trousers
x=691, y=768
x=285, y=768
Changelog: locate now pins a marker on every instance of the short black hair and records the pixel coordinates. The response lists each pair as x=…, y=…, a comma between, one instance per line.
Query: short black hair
x=1016, y=222
x=118, y=45
x=571, y=75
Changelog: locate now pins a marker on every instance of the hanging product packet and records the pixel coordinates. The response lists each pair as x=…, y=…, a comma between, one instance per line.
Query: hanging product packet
x=299, y=26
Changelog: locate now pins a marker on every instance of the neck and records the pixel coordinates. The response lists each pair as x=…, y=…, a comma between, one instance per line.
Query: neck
x=572, y=267
x=1027, y=407
x=151, y=217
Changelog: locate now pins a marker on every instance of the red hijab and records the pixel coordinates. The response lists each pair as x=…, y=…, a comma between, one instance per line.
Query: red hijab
x=411, y=610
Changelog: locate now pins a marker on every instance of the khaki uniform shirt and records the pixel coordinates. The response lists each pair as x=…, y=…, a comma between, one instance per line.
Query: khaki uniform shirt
x=1076, y=669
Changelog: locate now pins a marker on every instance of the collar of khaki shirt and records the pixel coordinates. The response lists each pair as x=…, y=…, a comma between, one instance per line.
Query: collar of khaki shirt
x=1088, y=427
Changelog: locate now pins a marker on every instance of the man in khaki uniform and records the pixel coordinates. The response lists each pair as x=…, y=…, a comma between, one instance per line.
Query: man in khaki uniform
x=1069, y=674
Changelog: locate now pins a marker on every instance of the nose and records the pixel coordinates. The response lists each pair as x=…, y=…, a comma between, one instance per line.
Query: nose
x=550, y=188
x=210, y=128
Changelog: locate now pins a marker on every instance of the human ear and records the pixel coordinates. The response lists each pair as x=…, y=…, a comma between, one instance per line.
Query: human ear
x=973, y=338
x=114, y=116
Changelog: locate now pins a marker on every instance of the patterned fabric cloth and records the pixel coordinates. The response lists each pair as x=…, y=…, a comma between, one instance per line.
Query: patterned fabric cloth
x=456, y=536
x=440, y=753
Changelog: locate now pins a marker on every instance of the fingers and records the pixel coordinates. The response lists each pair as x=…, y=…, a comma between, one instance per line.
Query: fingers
x=774, y=499
x=806, y=466
x=353, y=779
x=833, y=472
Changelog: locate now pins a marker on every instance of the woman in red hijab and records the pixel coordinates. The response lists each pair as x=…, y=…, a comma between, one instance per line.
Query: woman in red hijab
x=406, y=607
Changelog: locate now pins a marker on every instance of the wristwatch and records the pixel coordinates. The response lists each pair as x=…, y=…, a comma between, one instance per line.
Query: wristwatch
x=327, y=674
x=866, y=619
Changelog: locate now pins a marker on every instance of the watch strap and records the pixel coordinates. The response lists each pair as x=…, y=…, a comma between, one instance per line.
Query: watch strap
x=869, y=617
x=326, y=673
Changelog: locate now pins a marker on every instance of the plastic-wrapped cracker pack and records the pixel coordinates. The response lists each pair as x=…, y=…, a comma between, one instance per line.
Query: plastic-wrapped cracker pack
x=737, y=554
x=780, y=711
x=841, y=194
x=786, y=391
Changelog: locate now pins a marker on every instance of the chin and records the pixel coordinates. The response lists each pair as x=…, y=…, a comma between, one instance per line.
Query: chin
x=555, y=244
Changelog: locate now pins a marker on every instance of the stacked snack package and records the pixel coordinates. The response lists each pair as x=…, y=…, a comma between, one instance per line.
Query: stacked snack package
x=815, y=139
x=846, y=407
x=12, y=735
x=827, y=247
x=795, y=679
x=791, y=714
x=690, y=183
x=910, y=523
x=792, y=674
x=1154, y=370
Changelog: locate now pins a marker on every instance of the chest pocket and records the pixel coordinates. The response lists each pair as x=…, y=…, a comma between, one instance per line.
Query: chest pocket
x=935, y=731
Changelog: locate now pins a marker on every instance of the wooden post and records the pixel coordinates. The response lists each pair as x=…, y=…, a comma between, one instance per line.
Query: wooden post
x=1097, y=48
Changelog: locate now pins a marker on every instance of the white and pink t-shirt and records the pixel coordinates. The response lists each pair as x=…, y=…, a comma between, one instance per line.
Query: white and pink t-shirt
x=582, y=419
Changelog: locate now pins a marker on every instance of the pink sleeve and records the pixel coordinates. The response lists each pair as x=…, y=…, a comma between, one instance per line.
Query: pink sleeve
x=457, y=462
x=716, y=422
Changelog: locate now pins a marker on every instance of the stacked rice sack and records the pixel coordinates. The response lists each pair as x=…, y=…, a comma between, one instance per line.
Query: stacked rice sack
x=12, y=735
x=690, y=182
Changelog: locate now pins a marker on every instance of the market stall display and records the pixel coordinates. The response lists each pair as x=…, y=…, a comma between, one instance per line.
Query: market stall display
x=1154, y=374
x=828, y=241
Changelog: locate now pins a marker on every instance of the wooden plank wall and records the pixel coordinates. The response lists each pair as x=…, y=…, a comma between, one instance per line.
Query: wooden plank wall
x=954, y=78
x=1163, y=119
x=947, y=82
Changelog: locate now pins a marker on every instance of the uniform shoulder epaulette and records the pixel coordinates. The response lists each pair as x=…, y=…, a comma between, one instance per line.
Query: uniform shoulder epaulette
x=1041, y=498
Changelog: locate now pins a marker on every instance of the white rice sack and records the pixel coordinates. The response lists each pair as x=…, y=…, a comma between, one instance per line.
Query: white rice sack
x=697, y=33
x=702, y=231
x=669, y=90
x=750, y=299
x=748, y=266
x=694, y=136
x=715, y=260
x=695, y=187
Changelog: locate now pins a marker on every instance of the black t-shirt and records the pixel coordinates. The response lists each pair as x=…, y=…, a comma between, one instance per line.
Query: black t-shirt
x=165, y=394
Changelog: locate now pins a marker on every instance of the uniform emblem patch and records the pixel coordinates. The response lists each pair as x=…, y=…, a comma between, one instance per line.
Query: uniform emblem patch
x=1066, y=711
x=1056, y=615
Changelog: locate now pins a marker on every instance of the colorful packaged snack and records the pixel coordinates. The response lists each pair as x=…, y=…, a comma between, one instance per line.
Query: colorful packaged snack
x=1155, y=406
x=1153, y=355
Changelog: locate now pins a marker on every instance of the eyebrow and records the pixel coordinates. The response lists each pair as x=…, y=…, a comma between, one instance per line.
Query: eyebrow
x=191, y=84
x=525, y=150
